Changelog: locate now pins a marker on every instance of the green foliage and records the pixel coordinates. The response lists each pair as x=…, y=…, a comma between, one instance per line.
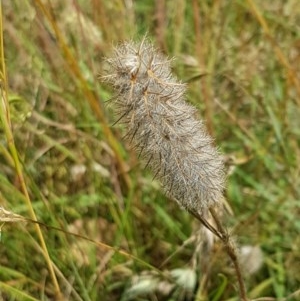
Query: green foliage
x=241, y=62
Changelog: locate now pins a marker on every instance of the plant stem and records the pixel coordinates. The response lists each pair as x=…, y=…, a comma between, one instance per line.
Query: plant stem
x=231, y=251
x=7, y=128
x=221, y=232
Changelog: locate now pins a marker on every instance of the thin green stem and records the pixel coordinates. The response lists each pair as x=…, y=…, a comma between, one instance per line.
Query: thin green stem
x=6, y=124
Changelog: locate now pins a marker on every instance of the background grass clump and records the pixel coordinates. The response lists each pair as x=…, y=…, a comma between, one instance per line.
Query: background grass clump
x=75, y=172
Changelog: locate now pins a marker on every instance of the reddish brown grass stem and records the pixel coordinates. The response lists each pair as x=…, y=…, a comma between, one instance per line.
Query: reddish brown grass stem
x=232, y=253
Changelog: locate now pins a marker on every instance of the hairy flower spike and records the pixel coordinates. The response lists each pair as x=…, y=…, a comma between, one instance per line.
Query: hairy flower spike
x=163, y=128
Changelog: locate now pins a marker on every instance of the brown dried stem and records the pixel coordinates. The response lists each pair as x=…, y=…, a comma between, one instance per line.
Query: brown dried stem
x=231, y=251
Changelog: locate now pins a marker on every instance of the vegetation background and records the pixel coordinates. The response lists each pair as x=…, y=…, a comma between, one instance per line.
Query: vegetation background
x=73, y=171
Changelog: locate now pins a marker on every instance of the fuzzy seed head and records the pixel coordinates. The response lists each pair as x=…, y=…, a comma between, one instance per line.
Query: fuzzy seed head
x=163, y=127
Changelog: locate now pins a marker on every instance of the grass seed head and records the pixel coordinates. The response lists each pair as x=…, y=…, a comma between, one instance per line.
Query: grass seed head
x=163, y=128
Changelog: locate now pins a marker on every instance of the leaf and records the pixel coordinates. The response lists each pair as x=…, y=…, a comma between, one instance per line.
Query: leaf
x=14, y=292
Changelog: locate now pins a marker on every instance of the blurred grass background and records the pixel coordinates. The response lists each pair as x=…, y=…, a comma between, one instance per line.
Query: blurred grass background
x=241, y=60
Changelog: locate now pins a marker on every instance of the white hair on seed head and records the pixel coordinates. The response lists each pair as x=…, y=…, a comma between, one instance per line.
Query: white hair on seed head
x=162, y=126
